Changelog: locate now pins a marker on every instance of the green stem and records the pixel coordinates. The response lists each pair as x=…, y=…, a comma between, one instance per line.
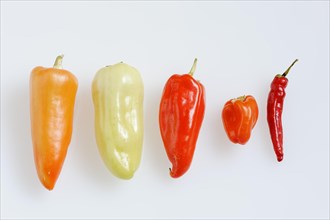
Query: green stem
x=58, y=62
x=242, y=98
x=287, y=71
x=193, y=68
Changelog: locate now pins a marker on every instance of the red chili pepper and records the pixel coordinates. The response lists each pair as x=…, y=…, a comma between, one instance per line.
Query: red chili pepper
x=181, y=115
x=274, y=111
x=239, y=116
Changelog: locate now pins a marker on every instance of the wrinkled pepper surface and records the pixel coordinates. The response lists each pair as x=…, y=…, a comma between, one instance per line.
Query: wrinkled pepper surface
x=118, y=92
x=181, y=115
x=274, y=111
x=52, y=99
x=239, y=116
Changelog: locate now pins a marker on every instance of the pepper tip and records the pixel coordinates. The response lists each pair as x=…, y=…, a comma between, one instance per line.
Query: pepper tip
x=279, y=158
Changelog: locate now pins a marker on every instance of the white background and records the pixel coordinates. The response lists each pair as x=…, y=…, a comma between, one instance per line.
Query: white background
x=240, y=47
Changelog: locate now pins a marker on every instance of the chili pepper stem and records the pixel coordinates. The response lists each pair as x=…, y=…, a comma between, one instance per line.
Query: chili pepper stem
x=193, y=68
x=287, y=71
x=58, y=62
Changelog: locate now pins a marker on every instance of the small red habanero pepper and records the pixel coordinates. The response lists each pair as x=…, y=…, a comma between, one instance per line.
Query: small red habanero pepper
x=274, y=111
x=239, y=116
x=181, y=115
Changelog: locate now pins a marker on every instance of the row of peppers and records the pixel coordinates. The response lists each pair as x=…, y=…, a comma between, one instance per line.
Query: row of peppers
x=118, y=94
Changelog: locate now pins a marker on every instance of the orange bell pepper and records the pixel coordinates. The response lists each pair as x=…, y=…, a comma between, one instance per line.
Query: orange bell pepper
x=239, y=116
x=52, y=98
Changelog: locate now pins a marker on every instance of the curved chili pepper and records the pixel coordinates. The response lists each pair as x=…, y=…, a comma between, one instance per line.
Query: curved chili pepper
x=52, y=98
x=274, y=111
x=181, y=115
x=239, y=116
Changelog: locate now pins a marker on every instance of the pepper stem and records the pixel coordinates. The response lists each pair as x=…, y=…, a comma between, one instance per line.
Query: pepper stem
x=242, y=98
x=58, y=62
x=287, y=71
x=193, y=68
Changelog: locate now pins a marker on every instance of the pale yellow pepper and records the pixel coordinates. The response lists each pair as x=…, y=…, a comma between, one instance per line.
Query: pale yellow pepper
x=118, y=104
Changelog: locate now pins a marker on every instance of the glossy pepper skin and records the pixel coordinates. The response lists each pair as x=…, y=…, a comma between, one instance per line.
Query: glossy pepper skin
x=118, y=104
x=181, y=115
x=274, y=111
x=239, y=116
x=52, y=99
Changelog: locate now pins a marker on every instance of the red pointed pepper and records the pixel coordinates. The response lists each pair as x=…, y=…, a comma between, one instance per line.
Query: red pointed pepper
x=274, y=111
x=181, y=115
